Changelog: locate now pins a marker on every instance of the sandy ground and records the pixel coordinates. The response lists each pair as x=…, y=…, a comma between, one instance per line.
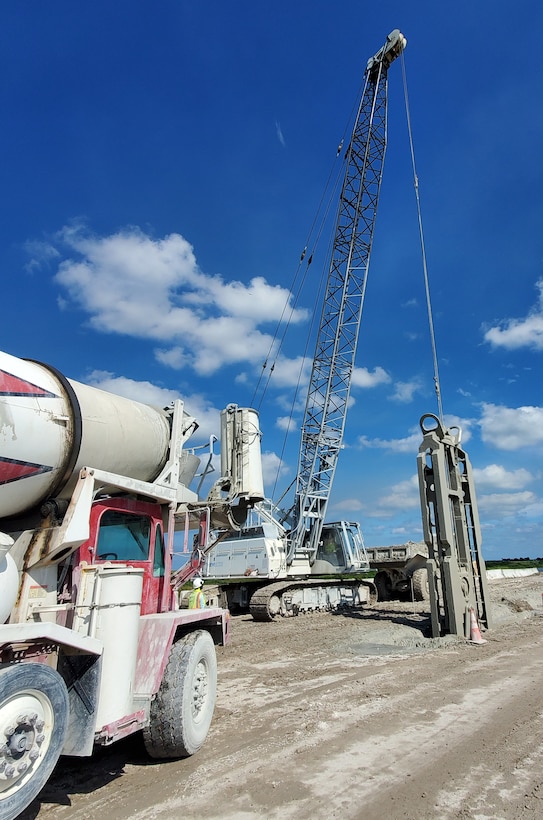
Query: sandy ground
x=346, y=716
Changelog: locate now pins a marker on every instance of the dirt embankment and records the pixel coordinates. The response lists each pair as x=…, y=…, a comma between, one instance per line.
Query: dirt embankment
x=351, y=716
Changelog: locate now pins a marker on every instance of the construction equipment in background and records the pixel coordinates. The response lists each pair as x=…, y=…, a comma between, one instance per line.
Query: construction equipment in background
x=400, y=571
x=456, y=570
x=289, y=548
x=93, y=646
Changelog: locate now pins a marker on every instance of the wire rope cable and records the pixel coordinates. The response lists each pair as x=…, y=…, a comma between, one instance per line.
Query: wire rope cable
x=423, y=247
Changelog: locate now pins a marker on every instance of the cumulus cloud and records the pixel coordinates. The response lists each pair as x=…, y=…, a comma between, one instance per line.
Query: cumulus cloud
x=175, y=357
x=495, y=476
x=402, y=496
x=511, y=428
x=513, y=334
x=409, y=444
x=504, y=504
x=273, y=468
x=405, y=391
x=133, y=284
x=287, y=424
x=349, y=504
x=412, y=442
x=362, y=377
x=291, y=372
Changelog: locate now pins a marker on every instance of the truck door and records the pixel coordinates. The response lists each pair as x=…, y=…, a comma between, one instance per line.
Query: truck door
x=133, y=537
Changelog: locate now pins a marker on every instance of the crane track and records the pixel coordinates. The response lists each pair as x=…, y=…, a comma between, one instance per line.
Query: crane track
x=269, y=601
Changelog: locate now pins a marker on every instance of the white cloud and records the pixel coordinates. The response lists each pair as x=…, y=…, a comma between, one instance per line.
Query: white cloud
x=347, y=504
x=402, y=496
x=290, y=372
x=517, y=333
x=175, y=357
x=145, y=392
x=273, y=468
x=534, y=511
x=287, y=424
x=505, y=504
x=412, y=442
x=132, y=284
x=494, y=476
x=362, y=377
x=409, y=444
x=511, y=428
x=404, y=391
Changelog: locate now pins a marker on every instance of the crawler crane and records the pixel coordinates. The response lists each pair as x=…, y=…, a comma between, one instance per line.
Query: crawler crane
x=276, y=567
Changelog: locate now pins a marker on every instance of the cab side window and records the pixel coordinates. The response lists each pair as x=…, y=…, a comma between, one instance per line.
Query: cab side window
x=158, y=563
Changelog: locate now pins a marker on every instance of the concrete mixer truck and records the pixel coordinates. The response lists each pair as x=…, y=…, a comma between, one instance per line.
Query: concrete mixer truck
x=93, y=645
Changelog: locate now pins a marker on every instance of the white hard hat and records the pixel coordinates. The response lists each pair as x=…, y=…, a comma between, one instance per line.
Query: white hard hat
x=197, y=582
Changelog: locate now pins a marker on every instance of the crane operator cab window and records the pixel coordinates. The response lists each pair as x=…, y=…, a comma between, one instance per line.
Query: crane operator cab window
x=123, y=537
x=330, y=548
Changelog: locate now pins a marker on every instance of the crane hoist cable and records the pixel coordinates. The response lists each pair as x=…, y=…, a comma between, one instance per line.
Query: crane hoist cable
x=423, y=247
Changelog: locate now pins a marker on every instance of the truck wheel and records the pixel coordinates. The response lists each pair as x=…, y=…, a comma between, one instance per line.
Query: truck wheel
x=182, y=710
x=421, y=589
x=383, y=585
x=34, y=712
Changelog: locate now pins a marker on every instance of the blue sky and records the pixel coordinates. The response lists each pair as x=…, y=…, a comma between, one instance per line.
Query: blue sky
x=162, y=165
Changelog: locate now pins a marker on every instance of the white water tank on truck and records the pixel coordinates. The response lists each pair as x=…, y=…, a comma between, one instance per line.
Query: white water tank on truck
x=51, y=427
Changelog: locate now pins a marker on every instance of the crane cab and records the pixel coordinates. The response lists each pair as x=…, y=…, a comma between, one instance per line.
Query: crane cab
x=341, y=550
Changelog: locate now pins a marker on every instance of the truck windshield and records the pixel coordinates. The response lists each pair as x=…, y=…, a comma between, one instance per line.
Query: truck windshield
x=123, y=537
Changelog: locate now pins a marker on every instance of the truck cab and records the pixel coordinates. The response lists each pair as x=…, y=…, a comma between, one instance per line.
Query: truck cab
x=131, y=533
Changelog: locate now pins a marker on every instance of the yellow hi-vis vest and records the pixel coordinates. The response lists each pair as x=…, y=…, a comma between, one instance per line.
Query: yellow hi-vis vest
x=197, y=599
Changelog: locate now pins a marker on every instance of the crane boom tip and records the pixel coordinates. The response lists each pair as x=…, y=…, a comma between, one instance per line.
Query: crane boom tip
x=395, y=44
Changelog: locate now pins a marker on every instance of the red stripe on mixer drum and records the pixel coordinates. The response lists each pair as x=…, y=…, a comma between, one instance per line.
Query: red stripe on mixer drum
x=12, y=470
x=11, y=385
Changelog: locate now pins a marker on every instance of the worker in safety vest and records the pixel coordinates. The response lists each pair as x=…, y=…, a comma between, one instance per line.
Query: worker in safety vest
x=197, y=598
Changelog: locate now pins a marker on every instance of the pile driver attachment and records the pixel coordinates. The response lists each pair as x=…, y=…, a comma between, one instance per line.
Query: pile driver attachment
x=456, y=568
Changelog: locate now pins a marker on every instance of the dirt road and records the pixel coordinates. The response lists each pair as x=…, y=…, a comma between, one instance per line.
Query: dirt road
x=334, y=716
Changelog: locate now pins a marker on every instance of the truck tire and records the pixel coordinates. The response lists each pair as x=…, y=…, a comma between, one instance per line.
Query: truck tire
x=383, y=585
x=182, y=710
x=34, y=713
x=421, y=590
